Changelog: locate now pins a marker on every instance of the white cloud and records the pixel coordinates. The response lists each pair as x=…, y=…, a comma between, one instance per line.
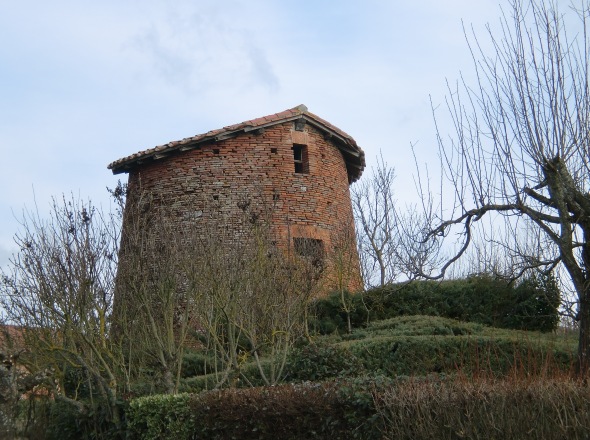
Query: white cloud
x=203, y=49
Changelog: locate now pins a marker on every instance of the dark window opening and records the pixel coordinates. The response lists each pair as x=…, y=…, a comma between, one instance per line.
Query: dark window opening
x=312, y=249
x=274, y=150
x=300, y=159
x=216, y=151
x=216, y=197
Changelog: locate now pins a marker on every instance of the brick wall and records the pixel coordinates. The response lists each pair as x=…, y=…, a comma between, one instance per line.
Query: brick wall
x=213, y=186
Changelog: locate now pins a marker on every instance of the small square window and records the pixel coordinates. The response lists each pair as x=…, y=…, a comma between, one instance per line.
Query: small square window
x=300, y=159
x=312, y=249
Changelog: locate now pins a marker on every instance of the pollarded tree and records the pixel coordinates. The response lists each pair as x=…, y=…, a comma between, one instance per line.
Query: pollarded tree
x=521, y=148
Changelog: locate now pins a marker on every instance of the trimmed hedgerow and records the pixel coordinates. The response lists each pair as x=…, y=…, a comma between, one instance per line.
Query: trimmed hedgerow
x=519, y=408
x=335, y=410
x=196, y=363
x=160, y=417
x=531, y=304
x=421, y=355
x=321, y=361
x=304, y=411
x=420, y=345
x=374, y=408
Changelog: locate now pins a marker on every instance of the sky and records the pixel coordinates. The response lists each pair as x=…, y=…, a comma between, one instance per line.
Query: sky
x=83, y=83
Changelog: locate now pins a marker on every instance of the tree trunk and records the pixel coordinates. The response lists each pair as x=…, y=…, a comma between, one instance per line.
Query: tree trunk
x=583, y=365
x=346, y=307
x=168, y=381
x=349, y=323
x=382, y=270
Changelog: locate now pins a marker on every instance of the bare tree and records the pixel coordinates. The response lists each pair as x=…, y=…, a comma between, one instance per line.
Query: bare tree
x=244, y=297
x=57, y=294
x=374, y=209
x=344, y=266
x=250, y=301
x=152, y=313
x=521, y=150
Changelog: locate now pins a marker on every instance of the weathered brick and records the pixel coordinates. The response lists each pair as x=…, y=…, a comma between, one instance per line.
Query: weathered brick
x=215, y=178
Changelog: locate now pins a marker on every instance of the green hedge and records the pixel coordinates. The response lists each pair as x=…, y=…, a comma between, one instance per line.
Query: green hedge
x=519, y=407
x=160, y=417
x=421, y=345
x=531, y=304
x=321, y=361
x=421, y=355
x=336, y=410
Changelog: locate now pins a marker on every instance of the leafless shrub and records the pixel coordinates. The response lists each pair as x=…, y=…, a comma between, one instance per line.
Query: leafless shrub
x=58, y=293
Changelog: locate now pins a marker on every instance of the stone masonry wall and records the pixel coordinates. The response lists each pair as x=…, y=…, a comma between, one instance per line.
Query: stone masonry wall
x=213, y=185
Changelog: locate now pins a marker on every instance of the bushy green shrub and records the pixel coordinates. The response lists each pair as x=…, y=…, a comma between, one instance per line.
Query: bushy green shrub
x=160, y=417
x=537, y=301
x=531, y=304
x=321, y=361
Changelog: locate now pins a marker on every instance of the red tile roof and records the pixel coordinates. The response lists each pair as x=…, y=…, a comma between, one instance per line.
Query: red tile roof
x=353, y=154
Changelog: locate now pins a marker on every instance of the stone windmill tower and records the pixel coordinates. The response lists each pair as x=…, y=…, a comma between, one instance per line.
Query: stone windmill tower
x=294, y=161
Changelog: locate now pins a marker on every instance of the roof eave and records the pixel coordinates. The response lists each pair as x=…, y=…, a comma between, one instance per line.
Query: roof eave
x=352, y=153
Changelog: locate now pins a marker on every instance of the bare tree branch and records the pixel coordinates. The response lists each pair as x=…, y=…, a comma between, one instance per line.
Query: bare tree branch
x=520, y=149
